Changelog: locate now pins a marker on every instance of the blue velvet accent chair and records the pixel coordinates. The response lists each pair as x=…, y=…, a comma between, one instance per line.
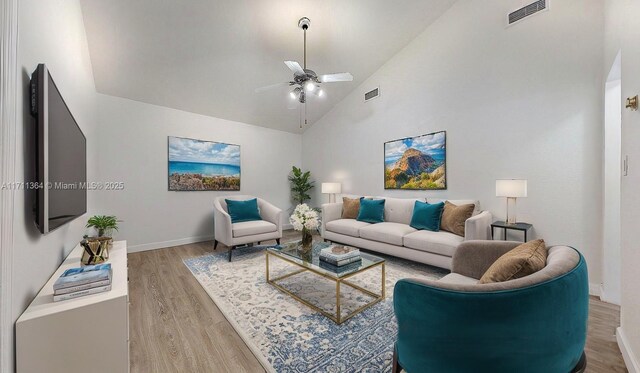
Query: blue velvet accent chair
x=537, y=323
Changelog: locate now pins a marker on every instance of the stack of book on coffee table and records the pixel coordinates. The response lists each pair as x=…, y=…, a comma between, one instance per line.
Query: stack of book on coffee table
x=78, y=282
x=338, y=258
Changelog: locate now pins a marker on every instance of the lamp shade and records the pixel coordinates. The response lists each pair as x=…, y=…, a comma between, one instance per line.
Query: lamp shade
x=511, y=188
x=330, y=188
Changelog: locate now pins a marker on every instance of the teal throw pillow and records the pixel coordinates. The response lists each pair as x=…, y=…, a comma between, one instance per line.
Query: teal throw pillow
x=426, y=216
x=243, y=210
x=371, y=210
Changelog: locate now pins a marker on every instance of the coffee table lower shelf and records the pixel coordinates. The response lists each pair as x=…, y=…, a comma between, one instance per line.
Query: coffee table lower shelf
x=337, y=317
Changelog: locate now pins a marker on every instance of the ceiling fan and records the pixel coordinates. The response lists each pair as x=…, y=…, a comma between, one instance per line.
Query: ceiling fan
x=305, y=80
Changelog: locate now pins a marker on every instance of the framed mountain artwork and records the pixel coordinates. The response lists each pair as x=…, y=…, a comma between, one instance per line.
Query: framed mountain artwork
x=196, y=165
x=416, y=162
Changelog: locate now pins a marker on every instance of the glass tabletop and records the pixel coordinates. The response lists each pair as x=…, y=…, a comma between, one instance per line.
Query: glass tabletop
x=311, y=259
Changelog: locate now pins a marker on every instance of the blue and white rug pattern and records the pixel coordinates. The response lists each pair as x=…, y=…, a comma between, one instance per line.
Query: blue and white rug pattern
x=289, y=337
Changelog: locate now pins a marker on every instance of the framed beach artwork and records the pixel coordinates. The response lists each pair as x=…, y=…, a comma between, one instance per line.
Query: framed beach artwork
x=416, y=162
x=196, y=165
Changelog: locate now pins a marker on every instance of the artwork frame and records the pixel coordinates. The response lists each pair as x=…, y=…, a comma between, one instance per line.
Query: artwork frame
x=194, y=165
x=433, y=156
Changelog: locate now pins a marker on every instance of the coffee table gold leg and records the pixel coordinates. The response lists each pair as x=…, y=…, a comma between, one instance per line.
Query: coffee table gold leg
x=338, y=314
x=384, y=280
x=267, y=261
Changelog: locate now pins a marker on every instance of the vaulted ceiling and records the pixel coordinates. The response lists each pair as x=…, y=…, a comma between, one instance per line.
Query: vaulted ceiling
x=208, y=56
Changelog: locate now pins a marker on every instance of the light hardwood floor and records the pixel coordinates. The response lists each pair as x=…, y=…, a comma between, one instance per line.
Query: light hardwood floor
x=176, y=327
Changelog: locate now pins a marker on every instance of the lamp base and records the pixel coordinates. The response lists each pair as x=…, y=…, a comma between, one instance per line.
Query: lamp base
x=511, y=210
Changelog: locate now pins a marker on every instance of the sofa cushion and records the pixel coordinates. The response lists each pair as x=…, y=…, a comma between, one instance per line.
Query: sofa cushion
x=442, y=243
x=371, y=210
x=241, y=211
x=458, y=279
x=454, y=217
x=349, y=227
x=458, y=202
x=522, y=261
x=426, y=216
x=399, y=210
x=387, y=232
x=251, y=228
x=350, y=207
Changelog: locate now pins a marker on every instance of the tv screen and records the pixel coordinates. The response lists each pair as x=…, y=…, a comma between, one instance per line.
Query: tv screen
x=62, y=156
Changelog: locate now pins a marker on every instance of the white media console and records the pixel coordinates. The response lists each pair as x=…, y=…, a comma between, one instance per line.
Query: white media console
x=86, y=334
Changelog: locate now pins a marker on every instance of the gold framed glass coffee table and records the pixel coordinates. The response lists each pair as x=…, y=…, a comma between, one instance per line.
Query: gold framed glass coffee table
x=309, y=261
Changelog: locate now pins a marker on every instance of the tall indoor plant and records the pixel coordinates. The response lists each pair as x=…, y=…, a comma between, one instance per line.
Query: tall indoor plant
x=301, y=184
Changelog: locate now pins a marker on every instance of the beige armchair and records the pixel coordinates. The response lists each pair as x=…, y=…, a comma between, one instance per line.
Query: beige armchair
x=235, y=234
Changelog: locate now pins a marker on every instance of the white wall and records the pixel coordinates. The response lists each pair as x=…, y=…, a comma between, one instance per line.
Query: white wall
x=133, y=148
x=611, y=208
x=517, y=102
x=50, y=32
x=622, y=32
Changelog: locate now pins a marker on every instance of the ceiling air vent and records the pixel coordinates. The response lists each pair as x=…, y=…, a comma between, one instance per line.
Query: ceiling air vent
x=372, y=94
x=528, y=10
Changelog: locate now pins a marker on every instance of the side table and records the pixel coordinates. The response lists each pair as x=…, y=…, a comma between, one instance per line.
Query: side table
x=524, y=227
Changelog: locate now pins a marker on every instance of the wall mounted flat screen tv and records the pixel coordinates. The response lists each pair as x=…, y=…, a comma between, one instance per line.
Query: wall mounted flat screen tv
x=61, y=160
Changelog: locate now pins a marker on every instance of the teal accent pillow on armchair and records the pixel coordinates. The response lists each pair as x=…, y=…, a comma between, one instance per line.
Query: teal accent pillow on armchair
x=427, y=216
x=371, y=211
x=243, y=210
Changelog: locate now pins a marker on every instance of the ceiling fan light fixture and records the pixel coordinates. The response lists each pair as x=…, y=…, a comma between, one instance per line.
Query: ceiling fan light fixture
x=310, y=86
x=320, y=93
x=293, y=95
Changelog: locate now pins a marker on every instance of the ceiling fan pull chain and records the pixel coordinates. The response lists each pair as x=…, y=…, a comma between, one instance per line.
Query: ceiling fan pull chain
x=305, y=49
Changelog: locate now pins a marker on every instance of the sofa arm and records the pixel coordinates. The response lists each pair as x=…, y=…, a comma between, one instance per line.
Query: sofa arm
x=478, y=227
x=222, y=225
x=330, y=212
x=271, y=214
x=473, y=258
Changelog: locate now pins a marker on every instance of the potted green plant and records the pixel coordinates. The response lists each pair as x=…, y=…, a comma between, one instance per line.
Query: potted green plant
x=301, y=184
x=104, y=224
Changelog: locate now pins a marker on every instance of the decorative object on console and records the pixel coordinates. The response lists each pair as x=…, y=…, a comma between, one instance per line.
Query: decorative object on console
x=305, y=219
x=301, y=184
x=350, y=207
x=95, y=251
x=512, y=189
x=105, y=225
x=196, y=165
x=455, y=216
x=521, y=261
x=331, y=189
x=78, y=282
x=371, y=210
x=426, y=216
x=416, y=162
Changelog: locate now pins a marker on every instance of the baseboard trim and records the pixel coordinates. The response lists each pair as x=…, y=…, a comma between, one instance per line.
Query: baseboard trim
x=595, y=290
x=170, y=243
x=630, y=359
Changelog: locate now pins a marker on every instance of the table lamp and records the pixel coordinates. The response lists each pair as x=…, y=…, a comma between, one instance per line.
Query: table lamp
x=331, y=189
x=512, y=189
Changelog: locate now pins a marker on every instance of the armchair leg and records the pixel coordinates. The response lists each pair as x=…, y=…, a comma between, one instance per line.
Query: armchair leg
x=230, y=250
x=278, y=241
x=582, y=364
x=396, y=368
x=215, y=244
x=258, y=242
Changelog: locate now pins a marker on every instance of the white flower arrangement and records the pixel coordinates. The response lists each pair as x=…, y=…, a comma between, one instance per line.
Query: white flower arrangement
x=304, y=217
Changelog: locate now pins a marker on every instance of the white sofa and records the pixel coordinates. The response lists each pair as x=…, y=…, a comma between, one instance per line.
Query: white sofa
x=395, y=237
x=235, y=234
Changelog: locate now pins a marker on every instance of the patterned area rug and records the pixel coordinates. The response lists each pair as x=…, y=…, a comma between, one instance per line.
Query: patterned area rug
x=287, y=336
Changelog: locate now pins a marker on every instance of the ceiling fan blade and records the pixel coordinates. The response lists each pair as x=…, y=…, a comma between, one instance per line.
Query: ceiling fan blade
x=295, y=67
x=272, y=86
x=337, y=77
